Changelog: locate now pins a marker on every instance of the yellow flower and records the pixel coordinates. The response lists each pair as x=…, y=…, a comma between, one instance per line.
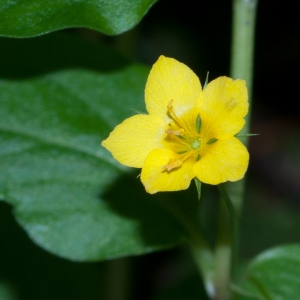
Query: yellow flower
x=188, y=132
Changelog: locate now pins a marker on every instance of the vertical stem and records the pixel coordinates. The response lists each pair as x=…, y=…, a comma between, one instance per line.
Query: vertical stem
x=242, y=48
x=118, y=279
x=204, y=262
x=243, y=33
x=244, y=13
x=199, y=247
x=226, y=256
x=223, y=254
x=234, y=224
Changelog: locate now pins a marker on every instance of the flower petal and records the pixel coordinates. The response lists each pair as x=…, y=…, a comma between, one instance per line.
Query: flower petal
x=224, y=106
x=155, y=179
x=224, y=160
x=171, y=80
x=131, y=141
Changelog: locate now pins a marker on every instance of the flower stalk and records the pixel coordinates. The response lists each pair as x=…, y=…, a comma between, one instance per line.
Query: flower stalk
x=226, y=252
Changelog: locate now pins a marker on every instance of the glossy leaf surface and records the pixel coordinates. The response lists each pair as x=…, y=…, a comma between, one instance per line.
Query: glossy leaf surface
x=67, y=192
x=21, y=18
x=273, y=275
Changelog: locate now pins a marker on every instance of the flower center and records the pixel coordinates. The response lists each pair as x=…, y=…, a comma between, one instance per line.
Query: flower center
x=186, y=138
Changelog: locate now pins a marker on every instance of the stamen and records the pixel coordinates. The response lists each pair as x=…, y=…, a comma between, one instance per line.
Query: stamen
x=190, y=153
x=175, y=132
x=175, y=163
x=178, y=138
x=173, y=115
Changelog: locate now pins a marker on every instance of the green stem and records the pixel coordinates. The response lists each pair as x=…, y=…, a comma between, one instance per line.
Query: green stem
x=118, y=279
x=243, y=33
x=199, y=246
x=242, y=49
x=203, y=257
x=227, y=246
x=223, y=254
x=234, y=228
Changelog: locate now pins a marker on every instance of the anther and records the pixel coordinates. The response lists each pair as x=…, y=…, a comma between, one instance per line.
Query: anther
x=172, y=164
x=174, y=132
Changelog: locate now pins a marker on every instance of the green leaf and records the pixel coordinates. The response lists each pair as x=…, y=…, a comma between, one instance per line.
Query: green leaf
x=61, y=279
x=7, y=292
x=273, y=275
x=21, y=18
x=68, y=193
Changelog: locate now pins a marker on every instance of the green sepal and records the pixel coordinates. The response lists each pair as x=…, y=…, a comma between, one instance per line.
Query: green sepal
x=198, y=186
x=206, y=81
x=246, y=134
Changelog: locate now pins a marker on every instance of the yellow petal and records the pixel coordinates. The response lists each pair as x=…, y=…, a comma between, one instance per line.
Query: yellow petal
x=155, y=179
x=171, y=80
x=224, y=160
x=131, y=141
x=224, y=106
